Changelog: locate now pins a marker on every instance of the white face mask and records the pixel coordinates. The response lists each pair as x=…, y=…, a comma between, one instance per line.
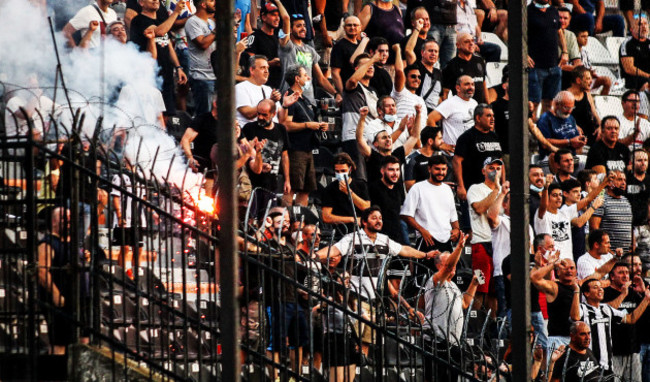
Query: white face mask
x=306, y=86
x=390, y=117
x=341, y=176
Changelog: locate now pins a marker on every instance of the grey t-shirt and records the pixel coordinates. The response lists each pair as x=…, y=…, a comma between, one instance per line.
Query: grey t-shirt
x=200, y=66
x=304, y=55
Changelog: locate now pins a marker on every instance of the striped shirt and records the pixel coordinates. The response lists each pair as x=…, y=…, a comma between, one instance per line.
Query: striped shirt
x=600, y=319
x=616, y=214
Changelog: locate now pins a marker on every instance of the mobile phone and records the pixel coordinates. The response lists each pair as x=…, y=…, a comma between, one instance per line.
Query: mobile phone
x=479, y=276
x=243, y=35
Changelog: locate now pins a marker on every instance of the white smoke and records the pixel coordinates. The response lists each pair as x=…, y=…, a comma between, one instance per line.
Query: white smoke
x=93, y=79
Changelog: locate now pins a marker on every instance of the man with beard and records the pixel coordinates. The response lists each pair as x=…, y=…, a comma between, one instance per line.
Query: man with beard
x=201, y=31
x=275, y=152
x=417, y=164
x=634, y=53
x=578, y=362
x=456, y=112
x=383, y=144
x=615, y=215
x=466, y=63
x=538, y=181
x=407, y=82
x=294, y=51
x=388, y=194
x=430, y=209
x=565, y=166
x=250, y=92
x=608, y=154
x=363, y=252
x=638, y=187
x=284, y=313
x=264, y=41
x=559, y=127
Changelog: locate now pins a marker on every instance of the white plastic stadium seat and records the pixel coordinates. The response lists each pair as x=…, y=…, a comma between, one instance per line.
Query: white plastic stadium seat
x=494, y=73
x=491, y=37
x=608, y=105
x=618, y=84
x=614, y=46
x=598, y=54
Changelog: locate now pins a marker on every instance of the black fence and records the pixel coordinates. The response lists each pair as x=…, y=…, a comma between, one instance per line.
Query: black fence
x=97, y=249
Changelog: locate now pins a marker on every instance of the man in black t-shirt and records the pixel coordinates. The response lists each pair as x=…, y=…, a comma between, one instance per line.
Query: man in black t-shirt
x=167, y=59
x=578, y=363
x=608, y=154
x=302, y=126
x=388, y=194
x=202, y=135
x=264, y=41
x=431, y=84
x=638, y=187
x=420, y=24
x=502, y=118
x=634, y=53
x=381, y=81
x=473, y=147
x=342, y=68
x=417, y=164
x=275, y=151
x=466, y=63
x=336, y=205
x=383, y=145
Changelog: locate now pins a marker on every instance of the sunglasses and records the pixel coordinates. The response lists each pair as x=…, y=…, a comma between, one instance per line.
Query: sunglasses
x=641, y=15
x=415, y=76
x=297, y=16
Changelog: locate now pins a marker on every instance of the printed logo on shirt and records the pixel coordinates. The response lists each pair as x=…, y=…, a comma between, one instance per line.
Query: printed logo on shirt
x=304, y=59
x=488, y=146
x=586, y=368
x=560, y=230
x=615, y=165
x=635, y=189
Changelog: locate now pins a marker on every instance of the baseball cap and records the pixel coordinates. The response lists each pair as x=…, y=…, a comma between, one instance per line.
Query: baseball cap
x=268, y=8
x=492, y=160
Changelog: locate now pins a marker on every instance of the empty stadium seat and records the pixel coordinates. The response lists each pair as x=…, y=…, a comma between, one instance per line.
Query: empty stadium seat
x=491, y=37
x=608, y=105
x=617, y=83
x=494, y=73
x=598, y=54
x=614, y=45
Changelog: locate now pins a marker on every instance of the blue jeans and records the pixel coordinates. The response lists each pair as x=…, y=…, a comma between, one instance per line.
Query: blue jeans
x=287, y=320
x=490, y=52
x=586, y=21
x=500, y=291
x=544, y=83
x=537, y=321
x=445, y=35
x=202, y=90
x=645, y=362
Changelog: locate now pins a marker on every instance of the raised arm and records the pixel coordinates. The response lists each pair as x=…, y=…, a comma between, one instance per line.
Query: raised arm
x=583, y=203
x=360, y=49
x=409, y=49
x=286, y=22
x=364, y=149
x=495, y=208
x=446, y=269
x=361, y=72
x=581, y=220
x=400, y=79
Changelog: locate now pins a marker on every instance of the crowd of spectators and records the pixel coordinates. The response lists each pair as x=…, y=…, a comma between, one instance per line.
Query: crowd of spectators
x=420, y=166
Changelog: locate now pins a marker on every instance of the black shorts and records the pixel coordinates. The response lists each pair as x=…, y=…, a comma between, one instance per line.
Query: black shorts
x=127, y=236
x=341, y=350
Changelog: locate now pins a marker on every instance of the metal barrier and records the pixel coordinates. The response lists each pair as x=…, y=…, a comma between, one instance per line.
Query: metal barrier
x=96, y=250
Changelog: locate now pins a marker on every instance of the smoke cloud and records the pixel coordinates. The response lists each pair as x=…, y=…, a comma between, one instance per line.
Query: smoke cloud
x=94, y=80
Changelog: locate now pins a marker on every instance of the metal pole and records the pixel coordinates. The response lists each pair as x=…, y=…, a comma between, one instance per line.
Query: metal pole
x=519, y=161
x=228, y=272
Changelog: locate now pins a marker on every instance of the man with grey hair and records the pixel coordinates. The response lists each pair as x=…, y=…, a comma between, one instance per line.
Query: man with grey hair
x=250, y=92
x=578, y=362
x=559, y=127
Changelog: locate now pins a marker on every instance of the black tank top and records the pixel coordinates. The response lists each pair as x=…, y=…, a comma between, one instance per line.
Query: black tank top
x=60, y=258
x=387, y=24
x=559, y=318
x=584, y=118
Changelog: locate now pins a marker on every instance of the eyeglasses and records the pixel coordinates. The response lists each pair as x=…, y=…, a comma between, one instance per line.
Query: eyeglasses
x=415, y=76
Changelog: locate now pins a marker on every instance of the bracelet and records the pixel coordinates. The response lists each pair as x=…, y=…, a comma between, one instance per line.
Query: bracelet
x=178, y=67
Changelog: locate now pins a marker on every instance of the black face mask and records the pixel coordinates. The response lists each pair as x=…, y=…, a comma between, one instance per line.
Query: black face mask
x=618, y=191
x=263, y=123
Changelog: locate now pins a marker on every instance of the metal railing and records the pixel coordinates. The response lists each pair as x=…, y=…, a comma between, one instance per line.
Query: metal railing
x=131, y=271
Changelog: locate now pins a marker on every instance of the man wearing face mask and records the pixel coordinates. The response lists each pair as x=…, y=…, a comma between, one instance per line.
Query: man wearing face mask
x=293, y=51
x=536, y=179
x=336, y=206
x=388, y=121
x=615, y=215
x=275, y=153
x=480, y=197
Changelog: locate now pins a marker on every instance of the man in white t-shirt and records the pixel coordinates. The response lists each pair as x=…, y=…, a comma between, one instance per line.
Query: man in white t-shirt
x=250, y=92
x=456, y=112
x=598, y=258
x=480, y=197
x=99, y=12
x=430, y=209
x=407, y=82
x=634, y=130
x=553, y=220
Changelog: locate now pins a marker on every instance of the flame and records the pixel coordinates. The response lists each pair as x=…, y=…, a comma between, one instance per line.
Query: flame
x=203, y=202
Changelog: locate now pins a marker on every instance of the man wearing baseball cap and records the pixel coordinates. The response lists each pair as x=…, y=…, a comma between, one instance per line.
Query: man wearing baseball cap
x=480, y=197
x=264, y=40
